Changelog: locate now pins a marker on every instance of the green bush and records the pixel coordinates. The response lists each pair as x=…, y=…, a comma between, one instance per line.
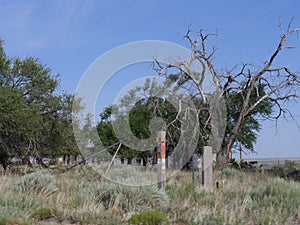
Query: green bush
x=44, y=213
x=149, y=217
x=289, y=164
x=278, y=171
x=41, y=182
x=4, y=221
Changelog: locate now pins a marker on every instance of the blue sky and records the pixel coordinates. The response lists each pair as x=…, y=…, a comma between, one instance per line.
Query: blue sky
x=69, y=35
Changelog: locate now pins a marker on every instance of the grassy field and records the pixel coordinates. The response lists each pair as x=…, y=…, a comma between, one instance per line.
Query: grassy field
x=82, y=196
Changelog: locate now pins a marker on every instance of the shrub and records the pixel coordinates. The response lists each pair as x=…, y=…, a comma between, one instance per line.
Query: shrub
x=4, y=221
x=130, y=198
x=41, y=182
x=149, y=217
x=289, y=164
x=44, y=213
x=294, y=175
x=89, y=201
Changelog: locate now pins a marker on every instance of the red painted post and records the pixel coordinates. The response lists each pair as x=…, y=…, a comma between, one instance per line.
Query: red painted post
x=161, y=159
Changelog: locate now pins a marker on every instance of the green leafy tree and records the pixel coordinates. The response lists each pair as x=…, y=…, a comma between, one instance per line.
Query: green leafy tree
x=143, y=107
x=35, y=116
x=16, y=132
x=108, y=136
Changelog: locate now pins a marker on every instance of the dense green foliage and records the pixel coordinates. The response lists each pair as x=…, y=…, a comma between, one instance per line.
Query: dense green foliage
x=140, y=112
x=44, y=213
x=149, y=217
x=108, y=136
x=35, y=116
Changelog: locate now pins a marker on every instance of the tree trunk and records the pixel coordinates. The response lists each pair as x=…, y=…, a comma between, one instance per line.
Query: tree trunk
x=229, y=143
x=154, y=159
x=145, y=160
x=3, y=163
x=26, y=160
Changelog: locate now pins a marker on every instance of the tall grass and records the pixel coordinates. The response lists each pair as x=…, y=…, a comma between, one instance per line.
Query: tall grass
x=243, y=199
x=85, y=197
x=279, y=199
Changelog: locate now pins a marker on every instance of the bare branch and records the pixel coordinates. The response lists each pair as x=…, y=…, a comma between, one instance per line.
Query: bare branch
x=253, y=85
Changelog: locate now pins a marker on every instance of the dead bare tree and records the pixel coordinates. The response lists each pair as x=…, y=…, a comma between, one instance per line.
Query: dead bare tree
x=280, y=83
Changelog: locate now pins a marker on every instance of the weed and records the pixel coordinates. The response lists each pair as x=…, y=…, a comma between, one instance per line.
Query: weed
x=44, y=213
x=149, y=217
x=4, y=221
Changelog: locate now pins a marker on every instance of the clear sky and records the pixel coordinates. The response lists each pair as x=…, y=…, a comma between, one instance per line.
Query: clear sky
x=69, y=35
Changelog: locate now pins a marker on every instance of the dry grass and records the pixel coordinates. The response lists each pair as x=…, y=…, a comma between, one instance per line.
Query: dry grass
x=244, y=198
x=83, y=196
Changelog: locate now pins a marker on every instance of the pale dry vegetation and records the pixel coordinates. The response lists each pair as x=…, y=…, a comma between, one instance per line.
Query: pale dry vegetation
x=82, y=196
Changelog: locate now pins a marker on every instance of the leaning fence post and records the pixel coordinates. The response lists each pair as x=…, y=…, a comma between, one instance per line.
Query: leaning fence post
x=207, y=171
x=161, y=159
